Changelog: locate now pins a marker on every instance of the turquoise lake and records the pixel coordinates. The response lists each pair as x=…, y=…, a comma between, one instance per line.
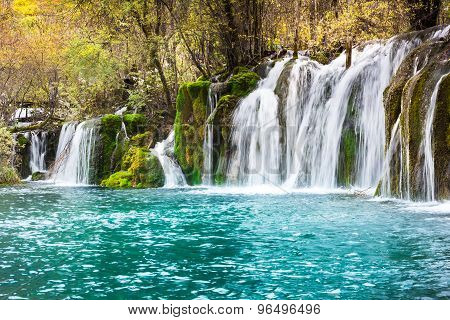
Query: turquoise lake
x=195, y=243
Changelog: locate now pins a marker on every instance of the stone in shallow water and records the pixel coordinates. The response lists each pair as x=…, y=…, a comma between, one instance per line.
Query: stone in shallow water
x=38, y=176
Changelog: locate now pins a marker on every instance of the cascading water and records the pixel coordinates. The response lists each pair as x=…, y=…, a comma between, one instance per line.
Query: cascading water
x=163, y=150
x=38, y=151
x=329, y=95
x=427, y=147
x=74, y=156
x=256, y=134
x=329, y=111
x=208, y=174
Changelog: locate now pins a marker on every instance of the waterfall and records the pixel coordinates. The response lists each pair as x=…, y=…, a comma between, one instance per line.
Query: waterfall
x=427, y=145
x=256, y=134
x=330, y=97
x=38, y=150
x=208, y=174
x=172, y=172
x=329, y=113
x=75, y=152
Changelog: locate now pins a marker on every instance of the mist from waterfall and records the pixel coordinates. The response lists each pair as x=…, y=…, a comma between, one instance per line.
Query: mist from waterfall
x=38, y=151
x=74, y=157
x=173, y=175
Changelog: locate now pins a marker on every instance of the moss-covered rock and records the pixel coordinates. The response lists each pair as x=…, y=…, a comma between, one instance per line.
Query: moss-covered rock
x=121, y=179
x=222, y=120
x=347, y=158
x=38, y=176
x=111, y=148
x=142, y=139
x=441, y=129
x=21, y=140
x=191, y=118
x=135, y=123
x=190, y=122
x=243, y=82
x=22, y=155
x=139, y=169
x=408, y=97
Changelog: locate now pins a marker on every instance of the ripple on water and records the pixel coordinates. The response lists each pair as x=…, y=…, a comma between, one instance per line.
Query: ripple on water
x=78, y=243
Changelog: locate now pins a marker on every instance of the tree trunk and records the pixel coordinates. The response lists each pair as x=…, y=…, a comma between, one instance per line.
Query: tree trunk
x=154, y=55
x=232, y=52
x=296, y=44
x=348, y=52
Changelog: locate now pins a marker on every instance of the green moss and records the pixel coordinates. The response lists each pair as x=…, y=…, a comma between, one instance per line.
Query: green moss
x=202, y=78
x=119, y=179
x=38, y=176
x=240, y=69
x=142, y=139
x=243, y=83
x=347, y=158
x=219, y=178
x=135, y=123
x=140, y=169
x=198, y=88
x=441, y=131
x=110, y=154
x=416, y=112
x=21, y=140
x=111, y=122
x=189, y=128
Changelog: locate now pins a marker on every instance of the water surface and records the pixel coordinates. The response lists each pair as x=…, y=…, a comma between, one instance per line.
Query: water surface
x=92, y=243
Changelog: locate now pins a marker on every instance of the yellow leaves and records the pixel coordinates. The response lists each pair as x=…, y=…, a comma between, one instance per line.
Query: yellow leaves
x=25, y=7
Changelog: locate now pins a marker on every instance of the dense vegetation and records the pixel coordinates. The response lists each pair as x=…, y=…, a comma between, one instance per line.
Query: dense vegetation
x=77, y=59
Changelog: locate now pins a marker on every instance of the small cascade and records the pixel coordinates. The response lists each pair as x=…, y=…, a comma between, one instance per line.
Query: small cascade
x=163, y=150
x=427, y=146
x=395, y=149
x=256, y=134
x=75, y=152
x=208, y=174
x=121, y=138
x=38, y=150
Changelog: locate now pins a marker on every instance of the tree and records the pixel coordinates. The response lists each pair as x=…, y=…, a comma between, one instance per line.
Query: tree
x=423, y=13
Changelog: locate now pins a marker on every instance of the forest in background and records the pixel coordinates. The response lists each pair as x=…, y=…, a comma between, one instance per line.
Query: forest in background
x=76, y=59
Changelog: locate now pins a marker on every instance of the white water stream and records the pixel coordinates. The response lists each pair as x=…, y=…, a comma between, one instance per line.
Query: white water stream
x=73, y=165
x=163, y=150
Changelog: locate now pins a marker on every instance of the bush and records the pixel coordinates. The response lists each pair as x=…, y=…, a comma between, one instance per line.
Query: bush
x=8, y=176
